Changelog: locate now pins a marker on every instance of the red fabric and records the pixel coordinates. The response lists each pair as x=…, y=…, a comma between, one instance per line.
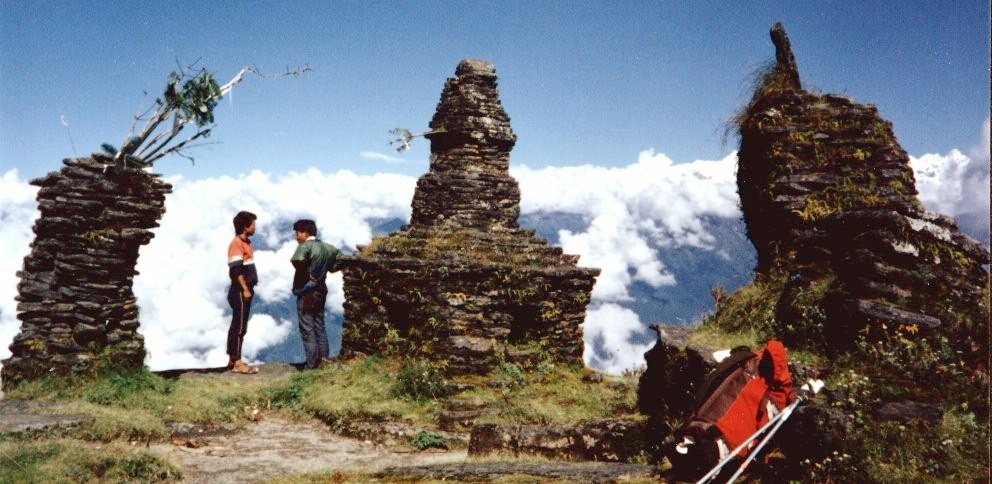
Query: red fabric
x=748, y=413
x=781, y=380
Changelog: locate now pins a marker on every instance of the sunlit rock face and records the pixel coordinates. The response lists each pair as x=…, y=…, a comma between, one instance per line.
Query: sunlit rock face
x=462, y=284
x=75, y=303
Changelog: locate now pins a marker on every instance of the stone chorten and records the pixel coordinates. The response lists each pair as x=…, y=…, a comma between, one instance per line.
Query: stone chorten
x=462, y=283
x=76, y=306
x=830, y=201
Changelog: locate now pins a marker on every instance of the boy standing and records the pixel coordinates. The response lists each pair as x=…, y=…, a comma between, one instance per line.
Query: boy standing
x=313, y=260
x=241, y=269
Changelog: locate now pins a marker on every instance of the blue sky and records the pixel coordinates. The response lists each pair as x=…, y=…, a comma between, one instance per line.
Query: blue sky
x=583, y=82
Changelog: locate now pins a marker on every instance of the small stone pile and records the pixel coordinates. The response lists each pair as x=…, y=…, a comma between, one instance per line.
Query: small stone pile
x=75, y=299
x=829, y=198
x=462, y=283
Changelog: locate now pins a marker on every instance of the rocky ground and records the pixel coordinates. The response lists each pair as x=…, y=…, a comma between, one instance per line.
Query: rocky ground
x=273, y=446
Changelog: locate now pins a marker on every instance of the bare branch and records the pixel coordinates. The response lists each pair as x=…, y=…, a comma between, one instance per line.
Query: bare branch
x=405, y=137
x=174, y=149
x=192, y=102
x=248, y=69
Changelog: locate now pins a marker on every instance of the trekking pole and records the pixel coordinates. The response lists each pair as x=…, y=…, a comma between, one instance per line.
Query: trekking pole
x=813, y=386
x=733, y=453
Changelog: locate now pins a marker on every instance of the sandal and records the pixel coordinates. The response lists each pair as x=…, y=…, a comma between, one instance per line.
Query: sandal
x=244, y=369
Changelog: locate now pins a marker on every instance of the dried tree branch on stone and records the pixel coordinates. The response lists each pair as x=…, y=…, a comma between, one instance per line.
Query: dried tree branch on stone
x=405, y=138
x=188, y=98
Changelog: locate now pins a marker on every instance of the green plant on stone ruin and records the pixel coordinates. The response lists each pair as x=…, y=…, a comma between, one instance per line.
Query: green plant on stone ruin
x=512, y=374
x=800, y=137
x=806, y=324
x=392, y=342
x=882, y=128
x=901, y=356
x=551, y=313
x=815, y=209
x=420, y=380
x=763, y=81
x=953, y=450
x=752, y=307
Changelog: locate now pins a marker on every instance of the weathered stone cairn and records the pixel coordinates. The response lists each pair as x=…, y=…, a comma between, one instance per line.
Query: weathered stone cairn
x=75, y=299
x=829, y=197
x=462, y=283
x=844, y=244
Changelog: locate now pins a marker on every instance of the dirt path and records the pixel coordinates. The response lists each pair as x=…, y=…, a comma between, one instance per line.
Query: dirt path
x=275, y=447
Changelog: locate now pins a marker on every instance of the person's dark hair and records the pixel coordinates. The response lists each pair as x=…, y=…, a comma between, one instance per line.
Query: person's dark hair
x=306, y=225
x=242, y=220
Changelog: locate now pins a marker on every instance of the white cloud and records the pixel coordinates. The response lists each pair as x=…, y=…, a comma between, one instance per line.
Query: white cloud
x=374, y=155
x=940, y=180
x=608, y=343
x=956, y=184
x=630, y=212
x=981, y=151
x=18, y=211
x=183, y=285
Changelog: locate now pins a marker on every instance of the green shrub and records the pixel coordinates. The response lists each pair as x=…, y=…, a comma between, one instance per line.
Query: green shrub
x=427, y=440
x=510, y=373
x=419, y=380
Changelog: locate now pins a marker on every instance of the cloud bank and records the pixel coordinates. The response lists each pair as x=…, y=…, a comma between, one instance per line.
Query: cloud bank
x=18, y=211
x=957, y=184
x=631, y=212
x=628, y=214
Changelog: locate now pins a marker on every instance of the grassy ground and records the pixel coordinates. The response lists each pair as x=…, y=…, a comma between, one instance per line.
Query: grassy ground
x=130, y=409
x=64, y=459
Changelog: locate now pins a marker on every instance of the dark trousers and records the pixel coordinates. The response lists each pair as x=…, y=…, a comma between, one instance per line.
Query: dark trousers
x=310, y=309
x=239, y=321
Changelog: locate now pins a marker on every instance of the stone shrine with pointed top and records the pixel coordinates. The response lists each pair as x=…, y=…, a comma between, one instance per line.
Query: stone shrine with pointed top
x=463, y=283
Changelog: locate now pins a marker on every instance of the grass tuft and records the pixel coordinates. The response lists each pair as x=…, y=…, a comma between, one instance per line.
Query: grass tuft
x=65, y=460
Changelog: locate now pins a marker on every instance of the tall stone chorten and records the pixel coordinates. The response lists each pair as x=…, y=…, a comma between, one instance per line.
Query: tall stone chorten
x=75, y=303
x=462, y=283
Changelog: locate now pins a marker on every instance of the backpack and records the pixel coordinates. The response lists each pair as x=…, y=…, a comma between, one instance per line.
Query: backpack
x=740, y=395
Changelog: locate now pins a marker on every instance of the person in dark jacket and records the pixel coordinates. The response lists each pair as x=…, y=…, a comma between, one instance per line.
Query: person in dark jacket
x=313, y=259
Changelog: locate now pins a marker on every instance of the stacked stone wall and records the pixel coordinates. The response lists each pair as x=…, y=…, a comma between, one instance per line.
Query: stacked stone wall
x=466, y=313
x=805, y=158
x=462, y=283
x=75, y=301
